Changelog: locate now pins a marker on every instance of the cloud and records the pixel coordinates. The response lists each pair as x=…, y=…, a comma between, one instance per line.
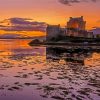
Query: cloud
x=10, y=35
x=22, y=24
x=70, y=2
x=96, y=30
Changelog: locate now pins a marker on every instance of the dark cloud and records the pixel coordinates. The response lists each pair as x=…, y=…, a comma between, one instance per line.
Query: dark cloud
x=22, y=24
x=96, y=30
x=11, y=35
x=70, y=2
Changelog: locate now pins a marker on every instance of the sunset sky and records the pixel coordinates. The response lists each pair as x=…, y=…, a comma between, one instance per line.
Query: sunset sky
x=29, y=17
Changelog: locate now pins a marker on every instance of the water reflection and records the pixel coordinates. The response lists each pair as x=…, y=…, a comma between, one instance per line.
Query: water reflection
x=76, y=56
x=48, y=73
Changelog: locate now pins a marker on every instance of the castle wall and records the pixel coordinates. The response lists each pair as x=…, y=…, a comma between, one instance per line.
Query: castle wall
x=52, y=31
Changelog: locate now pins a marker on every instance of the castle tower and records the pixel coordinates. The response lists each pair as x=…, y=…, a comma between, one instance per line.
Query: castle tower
x=77, y=23
x=52, y=31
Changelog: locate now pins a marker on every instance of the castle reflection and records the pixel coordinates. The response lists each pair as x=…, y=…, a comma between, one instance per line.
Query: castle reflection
x=67, y=55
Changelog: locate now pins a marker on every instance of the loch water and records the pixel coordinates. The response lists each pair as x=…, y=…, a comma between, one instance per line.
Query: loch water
x=47, y=72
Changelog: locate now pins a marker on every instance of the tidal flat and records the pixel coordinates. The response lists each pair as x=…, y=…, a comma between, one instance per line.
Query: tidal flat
x=46, y=73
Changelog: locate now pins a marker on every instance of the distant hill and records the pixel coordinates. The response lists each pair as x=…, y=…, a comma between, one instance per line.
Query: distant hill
x=39, y=37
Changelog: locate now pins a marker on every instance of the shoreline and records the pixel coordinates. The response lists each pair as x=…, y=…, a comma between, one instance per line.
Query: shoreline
x=67, y=44
x=74, y=44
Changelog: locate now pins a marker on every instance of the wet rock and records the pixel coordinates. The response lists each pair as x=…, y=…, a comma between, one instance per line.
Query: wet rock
x=57, y=98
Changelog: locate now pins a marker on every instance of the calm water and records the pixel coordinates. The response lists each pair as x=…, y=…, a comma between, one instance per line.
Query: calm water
x=47, y=73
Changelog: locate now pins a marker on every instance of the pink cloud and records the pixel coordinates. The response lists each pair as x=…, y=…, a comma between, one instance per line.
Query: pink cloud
x=23, y=24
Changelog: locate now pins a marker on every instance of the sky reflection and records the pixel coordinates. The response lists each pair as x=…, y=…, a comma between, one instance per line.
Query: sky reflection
x=48, y=73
